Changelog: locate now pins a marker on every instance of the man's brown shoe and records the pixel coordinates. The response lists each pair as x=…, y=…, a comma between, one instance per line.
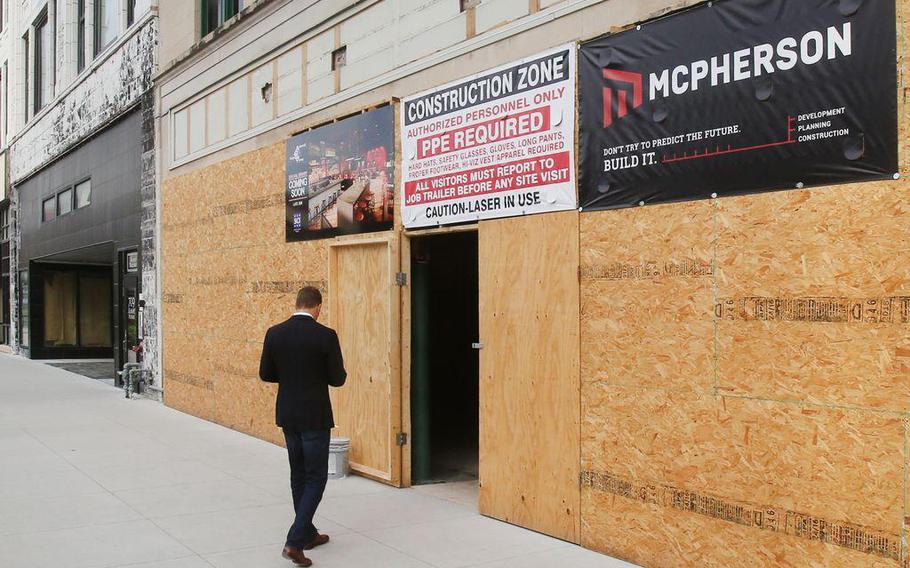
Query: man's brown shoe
x=296, y=556
x=318, y=541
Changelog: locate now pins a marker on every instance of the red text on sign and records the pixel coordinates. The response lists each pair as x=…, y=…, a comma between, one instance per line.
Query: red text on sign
x=505, y=128
x=520, y=174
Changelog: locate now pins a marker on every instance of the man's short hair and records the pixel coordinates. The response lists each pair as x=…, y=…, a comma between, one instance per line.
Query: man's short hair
x=309, y=297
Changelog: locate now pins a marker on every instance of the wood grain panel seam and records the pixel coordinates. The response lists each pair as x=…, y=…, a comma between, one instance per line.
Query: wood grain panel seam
x=806, y=403
x=845, y=534
x=649, y=388
x=710, y=393
x=197, y=252
x=714, y=292
x=216, y=336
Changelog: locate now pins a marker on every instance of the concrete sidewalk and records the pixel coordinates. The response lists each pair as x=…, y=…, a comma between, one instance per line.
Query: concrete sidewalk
x=89, y=479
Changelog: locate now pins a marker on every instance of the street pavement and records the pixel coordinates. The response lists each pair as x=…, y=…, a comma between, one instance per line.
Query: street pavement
x=89, y=479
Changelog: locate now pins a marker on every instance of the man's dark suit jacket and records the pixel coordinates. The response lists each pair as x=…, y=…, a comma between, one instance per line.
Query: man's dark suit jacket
x=304, y=358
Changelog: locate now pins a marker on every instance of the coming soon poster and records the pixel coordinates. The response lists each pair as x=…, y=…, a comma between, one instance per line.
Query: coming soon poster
x=497, y=144
x=340, y=177
x=739, y=96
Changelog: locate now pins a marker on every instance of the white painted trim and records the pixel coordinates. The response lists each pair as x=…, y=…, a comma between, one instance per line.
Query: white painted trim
x=498, y=34
x=279, y=50
x=97, y=62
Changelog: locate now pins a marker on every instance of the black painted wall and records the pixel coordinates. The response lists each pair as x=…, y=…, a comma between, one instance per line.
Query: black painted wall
x=112, y=159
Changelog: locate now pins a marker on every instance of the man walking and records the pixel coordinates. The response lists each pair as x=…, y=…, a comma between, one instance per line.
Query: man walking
x=304, y=358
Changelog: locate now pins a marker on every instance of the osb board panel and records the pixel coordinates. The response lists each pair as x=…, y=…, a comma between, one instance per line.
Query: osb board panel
x=832, y=465
x=647, y=296
x=847, y=240
x=360, y=285
x=227, y=276
x=252, y=294
x=529, y=383
x=187, y=386
x=824, y=363
x=813, y=294
x=668, y=536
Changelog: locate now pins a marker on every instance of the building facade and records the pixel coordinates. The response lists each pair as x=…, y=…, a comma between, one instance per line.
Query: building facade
x=669, y=384
x=79, y=144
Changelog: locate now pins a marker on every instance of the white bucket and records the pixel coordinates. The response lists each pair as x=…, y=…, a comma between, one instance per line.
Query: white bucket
x=338, y=457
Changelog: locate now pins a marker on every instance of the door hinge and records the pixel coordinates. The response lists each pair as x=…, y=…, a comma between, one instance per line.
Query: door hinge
x=401, y=279
x=401, y=439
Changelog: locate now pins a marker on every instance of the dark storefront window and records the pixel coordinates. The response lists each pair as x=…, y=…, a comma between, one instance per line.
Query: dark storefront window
x=94, y=310
x=75, y=304
x=4, y=294
x=24, y=313
x=4, y=275
x=60, y=308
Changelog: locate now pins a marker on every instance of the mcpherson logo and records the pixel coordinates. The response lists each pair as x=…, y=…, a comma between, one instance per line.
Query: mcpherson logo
x=814, y=47
x=628, y=81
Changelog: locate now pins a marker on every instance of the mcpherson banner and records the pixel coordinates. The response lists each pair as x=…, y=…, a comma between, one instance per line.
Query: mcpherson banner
x=497, y=144
x=739, y=96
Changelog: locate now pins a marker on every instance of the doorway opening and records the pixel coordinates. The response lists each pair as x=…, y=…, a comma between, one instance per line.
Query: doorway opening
x=128, y=340
x=445, y=374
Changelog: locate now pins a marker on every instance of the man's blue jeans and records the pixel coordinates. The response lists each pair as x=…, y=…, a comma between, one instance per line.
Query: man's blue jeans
x=308, y=453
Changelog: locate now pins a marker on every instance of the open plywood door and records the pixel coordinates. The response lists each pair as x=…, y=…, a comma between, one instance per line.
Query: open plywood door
x=529, y=377
x=364, y=309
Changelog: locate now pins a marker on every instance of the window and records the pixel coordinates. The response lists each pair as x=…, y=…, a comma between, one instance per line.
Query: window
x=3, y=104
x=340, y=57
x=107, y=23
x=5, y=99
x=25, y=76
x=44, y=62
x=4, y=224
x=80, y=36
x=64, y=202
x=130, y=12
x=216, y=12
x=83, y=194
x=49, y=209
